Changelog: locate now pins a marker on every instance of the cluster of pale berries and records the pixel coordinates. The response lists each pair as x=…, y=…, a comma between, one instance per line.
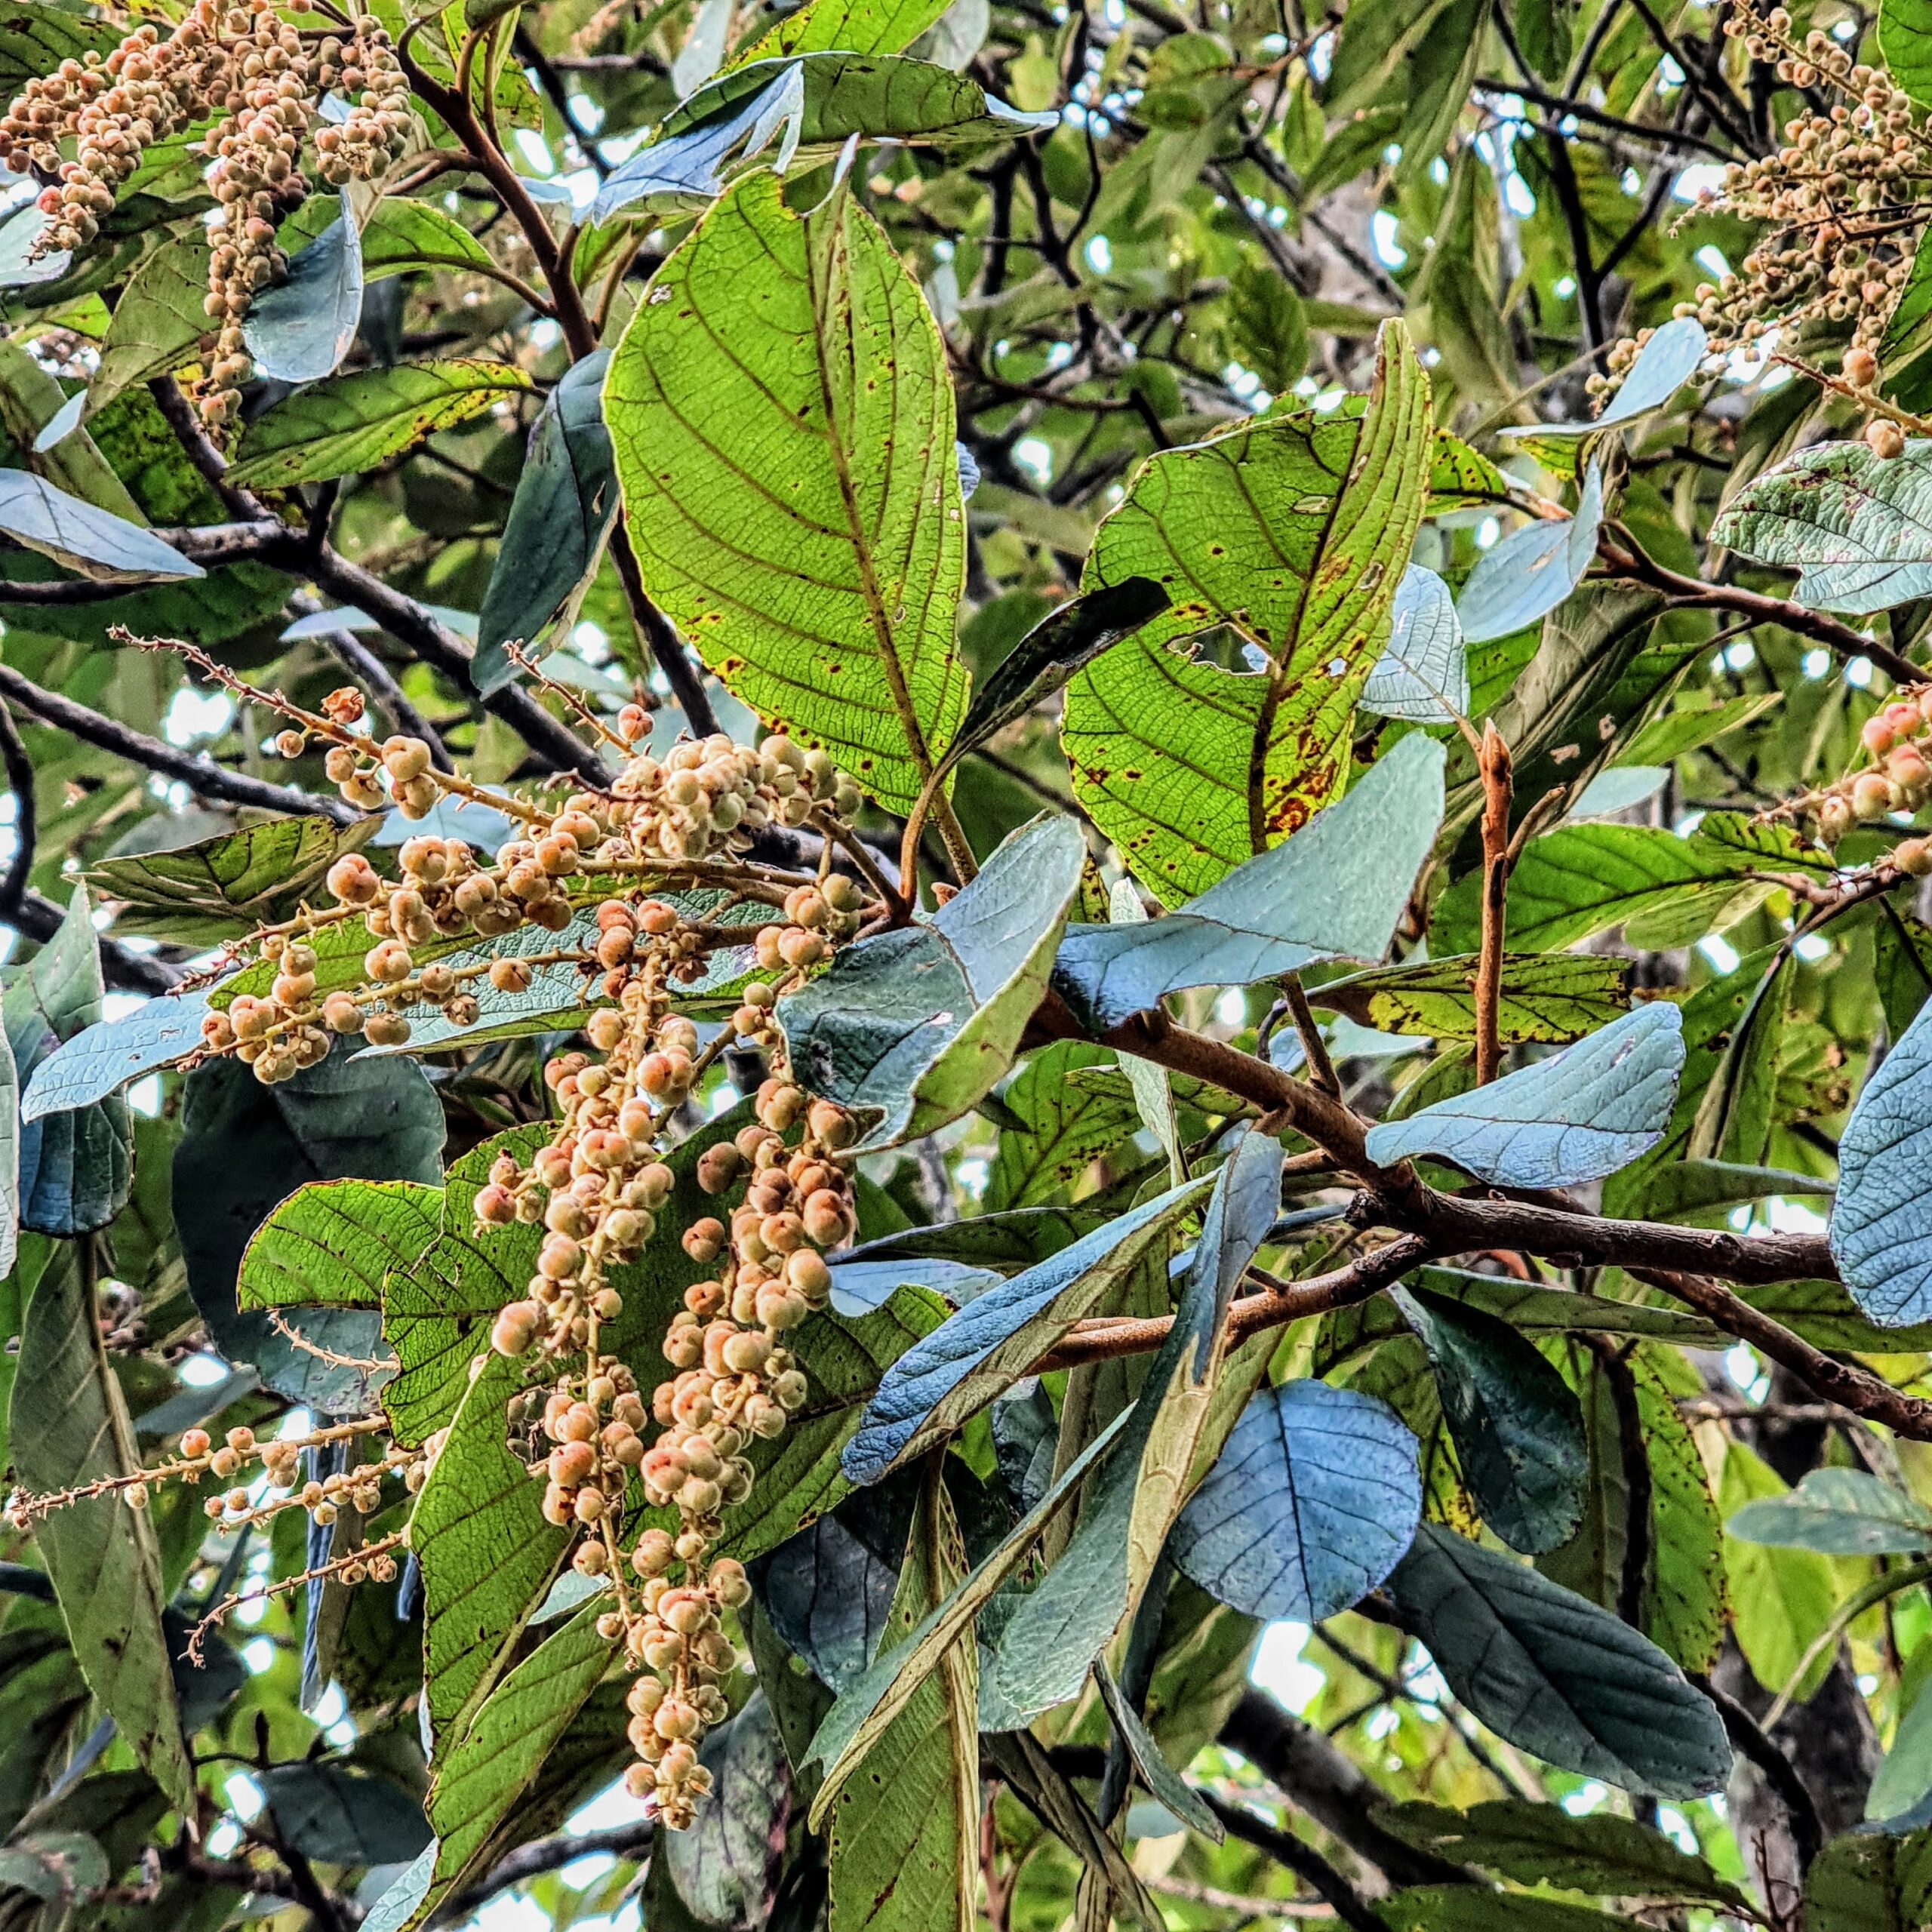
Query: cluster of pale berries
x=598, y=1188
x=1899, y=779
x=1842, y=196
x=263, y=80
x=700, y=800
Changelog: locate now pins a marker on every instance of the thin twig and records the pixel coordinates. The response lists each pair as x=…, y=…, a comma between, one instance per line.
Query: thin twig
x=1494, y=762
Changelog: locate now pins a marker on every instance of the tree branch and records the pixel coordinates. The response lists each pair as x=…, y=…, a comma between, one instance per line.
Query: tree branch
x=542, y=1855
x=1303, y=1860
x=125, y=970
x=1317, y=1779
x=200, y=772
x=19, y=769
x=1690, y=593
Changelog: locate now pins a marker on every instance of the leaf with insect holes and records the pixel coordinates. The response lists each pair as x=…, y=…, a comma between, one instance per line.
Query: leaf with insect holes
x=1291, y=532
x=776, y=355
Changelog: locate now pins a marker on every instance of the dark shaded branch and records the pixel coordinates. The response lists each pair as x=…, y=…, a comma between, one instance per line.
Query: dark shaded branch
x=125, y=970
x=1749, y=1741
x=439, y=647
x=1691, y=593
x=19, y=769
x=541, y=1855
x=1316, y=1778
x=196, y=770
x=661, y=638
x=1303, y=1860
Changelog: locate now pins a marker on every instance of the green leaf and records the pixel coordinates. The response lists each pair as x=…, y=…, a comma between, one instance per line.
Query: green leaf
x=1870, y=1881
x=1881, y=1225
x=1575, y=1117
x=1071, y=635
x=75, y=1169
x=343, y=1817
x=402, y=236
x=1517, y=1429
x=866, y=1709
x=1292, y=531
x=481, y=1774
x=1828, y=1318
x=903, y=1844
x=298, y=330
x=487, y=1556
x=1544, y=997
x=918, y=1025
x=1781, y=1599
x=158, y=322
x=821, y=585
x=100, y=546
x=1310, y=1505
x=1062, y=1127
x=35, y=38
x=64, y=1868
x=354, y=422
x=854, y=26
x=1544, y=1845
x=684, y=174
x=1532, y=570
x=100, y=1058
x=1548, y=1670
x=1423, y=675
x=222, y=887
x=1841, y=1512
x=68, y=1426
x=1905, y=41
x=827, y=1593
x=566, y=500
x=1281, y=911
x=1581, y=879
x=993, y=1340
x=329, y=1244
x=245, y=1147
x=1855, y=527
x=1904, y=1778
x=1191, y=1398
x=1267, y=328
x=1676, y=733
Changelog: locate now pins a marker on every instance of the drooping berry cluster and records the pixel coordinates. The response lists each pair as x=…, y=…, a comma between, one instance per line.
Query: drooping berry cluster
x=600, y=870
x=263, y=80
x=1843, y=200
x=599, y=1188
